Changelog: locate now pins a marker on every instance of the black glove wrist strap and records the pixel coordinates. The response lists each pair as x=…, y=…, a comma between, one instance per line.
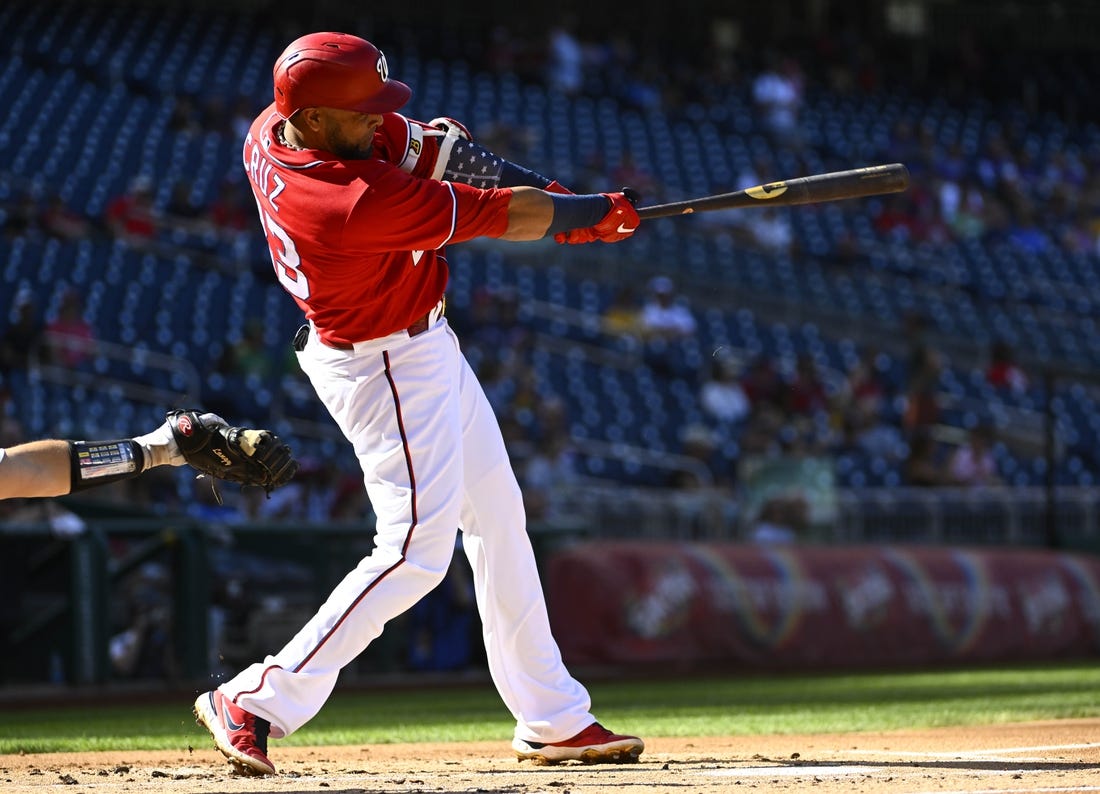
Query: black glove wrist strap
x=95, y=463
x=577, y=212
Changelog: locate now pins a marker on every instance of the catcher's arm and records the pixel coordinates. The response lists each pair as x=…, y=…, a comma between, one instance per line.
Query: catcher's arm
x=242, y=455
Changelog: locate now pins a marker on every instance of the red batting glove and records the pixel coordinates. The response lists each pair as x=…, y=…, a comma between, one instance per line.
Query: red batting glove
x=620, y=222
x=557, y=187
x=576, y=236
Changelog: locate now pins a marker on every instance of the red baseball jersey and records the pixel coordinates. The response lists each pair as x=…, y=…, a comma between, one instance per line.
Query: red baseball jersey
x=359, y=243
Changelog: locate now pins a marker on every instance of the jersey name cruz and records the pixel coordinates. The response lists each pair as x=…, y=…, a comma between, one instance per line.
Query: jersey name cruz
x=262, y=171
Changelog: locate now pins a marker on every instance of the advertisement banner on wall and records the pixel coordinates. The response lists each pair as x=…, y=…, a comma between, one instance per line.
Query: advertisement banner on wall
x=814, y=607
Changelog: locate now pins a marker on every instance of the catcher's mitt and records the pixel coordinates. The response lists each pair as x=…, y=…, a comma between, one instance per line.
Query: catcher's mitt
x=234, y=454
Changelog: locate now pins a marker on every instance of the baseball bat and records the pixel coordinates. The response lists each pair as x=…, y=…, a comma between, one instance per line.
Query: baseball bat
x=873, y=180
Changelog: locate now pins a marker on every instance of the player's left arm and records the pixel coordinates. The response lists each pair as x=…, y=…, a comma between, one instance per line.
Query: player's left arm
x=57, y=467
x=607, y=217
x=444, y=150
x=35, y=469
x=536, y=206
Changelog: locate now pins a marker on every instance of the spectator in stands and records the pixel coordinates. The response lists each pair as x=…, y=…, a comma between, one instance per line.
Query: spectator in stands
x=897, y=218
x=969, y=218
x=142, y=647
x=1077, y=234
x=763, y=385
x=19, y=345
x=233, y=209
x=132, y=217
x=777, y=93
x=528, y=397
x=551, y=465
x=862, y=412
x=186, y=116
x=1002, y=372
x=972, y=463
x=243, y=370
x=902, y=146
x=70, y=338
x=518, y=439
x=241, y=118
x=60, y=220
x=806, y=394
x=308, y=497
x=495, y=322
x=924, y=465
x=184, y=210
x=565, y=61
x=20, y=216
x=349, y=498
x=623, y=317
x=922, y=401
x=665, y=320
x=630, y=173
x=782, y=518
x=699, y=445
x=231, y=214
x=864, y=429
x=865, y=383
x=503, y=54
x=770, y=230
x=496, y=380
x=251, y=355
x=1026, y=231
x=722, y=396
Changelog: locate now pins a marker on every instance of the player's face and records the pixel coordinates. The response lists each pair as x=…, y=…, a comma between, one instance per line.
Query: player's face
x=349, y=135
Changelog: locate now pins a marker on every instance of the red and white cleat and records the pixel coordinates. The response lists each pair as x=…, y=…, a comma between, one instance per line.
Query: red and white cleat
x=594, y=745
x=240, y=736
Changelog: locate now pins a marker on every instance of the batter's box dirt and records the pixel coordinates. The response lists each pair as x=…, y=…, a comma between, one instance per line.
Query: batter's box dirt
x=1055, y=756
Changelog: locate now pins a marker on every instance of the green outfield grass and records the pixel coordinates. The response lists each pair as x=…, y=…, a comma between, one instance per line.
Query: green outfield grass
x=742, y=705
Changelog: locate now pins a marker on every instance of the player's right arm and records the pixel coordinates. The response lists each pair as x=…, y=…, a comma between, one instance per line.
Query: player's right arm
x=534, y=214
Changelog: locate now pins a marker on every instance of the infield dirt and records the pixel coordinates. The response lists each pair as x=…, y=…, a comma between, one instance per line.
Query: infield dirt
x=1060, y=756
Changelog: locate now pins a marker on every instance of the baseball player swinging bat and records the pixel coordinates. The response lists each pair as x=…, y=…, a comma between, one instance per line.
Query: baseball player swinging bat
x=859, y=182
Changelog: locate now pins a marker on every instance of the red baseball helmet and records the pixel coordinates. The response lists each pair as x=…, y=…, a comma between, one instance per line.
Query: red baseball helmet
x=335, y=70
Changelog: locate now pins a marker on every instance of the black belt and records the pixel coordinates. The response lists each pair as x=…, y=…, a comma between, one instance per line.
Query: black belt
x=419, y=326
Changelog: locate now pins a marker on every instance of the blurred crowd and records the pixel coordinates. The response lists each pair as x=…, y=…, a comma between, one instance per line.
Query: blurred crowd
x=1002, y=186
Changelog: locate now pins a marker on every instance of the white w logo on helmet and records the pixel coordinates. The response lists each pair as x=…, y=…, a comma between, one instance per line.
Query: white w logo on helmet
x=382, y=68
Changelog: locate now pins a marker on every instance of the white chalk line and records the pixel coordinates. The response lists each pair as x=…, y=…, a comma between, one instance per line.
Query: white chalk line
x=1003, y=755
x=825, y=770
x=1028, y=790
x=808, y=770
x=981, y=754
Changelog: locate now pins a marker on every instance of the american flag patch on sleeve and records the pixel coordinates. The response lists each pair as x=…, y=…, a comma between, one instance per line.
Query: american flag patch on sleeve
x=472, y=164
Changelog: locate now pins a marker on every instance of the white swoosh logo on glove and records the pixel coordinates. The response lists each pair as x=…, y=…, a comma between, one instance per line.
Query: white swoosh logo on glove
x=624, y=230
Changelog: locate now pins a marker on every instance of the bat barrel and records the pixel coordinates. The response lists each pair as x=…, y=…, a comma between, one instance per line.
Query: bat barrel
x=857, y=183
x=834, y=186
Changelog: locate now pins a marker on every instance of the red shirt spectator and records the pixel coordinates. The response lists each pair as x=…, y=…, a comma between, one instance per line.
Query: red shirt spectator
x=69, y=335
x=132, y=214
x=806, y=394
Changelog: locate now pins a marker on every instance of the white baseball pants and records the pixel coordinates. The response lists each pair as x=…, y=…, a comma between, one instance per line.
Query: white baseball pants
x=433, y=461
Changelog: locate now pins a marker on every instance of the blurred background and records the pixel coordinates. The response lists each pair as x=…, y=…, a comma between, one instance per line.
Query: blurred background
x=917, y=368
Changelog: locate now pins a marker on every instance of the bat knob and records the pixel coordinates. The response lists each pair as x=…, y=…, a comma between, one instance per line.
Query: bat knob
x=632, y=195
